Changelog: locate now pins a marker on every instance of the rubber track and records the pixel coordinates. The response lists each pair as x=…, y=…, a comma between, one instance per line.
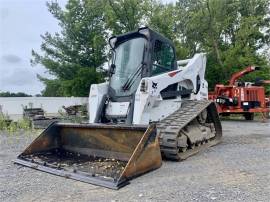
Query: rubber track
x=170, y=127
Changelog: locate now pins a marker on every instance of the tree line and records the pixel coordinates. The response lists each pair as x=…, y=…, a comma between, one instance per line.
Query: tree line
x=233, y=34
x=9, y=94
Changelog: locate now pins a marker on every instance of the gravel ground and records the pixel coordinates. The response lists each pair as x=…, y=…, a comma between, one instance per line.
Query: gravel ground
x=236, y=169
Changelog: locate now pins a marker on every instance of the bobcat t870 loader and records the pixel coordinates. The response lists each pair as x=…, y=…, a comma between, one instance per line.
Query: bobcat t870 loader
x=152, y=107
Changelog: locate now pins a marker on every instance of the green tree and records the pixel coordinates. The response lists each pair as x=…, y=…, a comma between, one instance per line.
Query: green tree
x=231, y=32
x=122, y=16
x=77, y=52
x=164, y=19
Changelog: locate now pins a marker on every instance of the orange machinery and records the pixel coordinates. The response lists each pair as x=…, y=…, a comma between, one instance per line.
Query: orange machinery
x=239, y=97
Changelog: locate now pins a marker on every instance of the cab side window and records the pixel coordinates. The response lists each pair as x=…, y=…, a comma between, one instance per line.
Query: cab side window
x=163, y=58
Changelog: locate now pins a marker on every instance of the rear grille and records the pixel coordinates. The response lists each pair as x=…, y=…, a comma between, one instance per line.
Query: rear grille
x=251, y=95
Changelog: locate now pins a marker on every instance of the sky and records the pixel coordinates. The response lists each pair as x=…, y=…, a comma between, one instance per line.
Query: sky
x=21, y=24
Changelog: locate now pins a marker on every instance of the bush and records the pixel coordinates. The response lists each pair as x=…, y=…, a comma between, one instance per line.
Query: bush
x=11, y=126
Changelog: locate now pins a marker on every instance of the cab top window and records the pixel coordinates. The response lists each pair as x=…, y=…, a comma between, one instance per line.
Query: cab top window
x=163, y=58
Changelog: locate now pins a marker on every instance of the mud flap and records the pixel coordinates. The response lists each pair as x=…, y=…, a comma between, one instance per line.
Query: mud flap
x=104, y=155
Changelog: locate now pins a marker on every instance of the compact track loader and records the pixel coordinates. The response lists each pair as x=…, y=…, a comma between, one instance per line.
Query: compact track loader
x=153, y=106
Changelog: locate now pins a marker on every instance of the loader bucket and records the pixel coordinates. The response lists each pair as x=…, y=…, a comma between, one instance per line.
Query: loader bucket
x=99, y=154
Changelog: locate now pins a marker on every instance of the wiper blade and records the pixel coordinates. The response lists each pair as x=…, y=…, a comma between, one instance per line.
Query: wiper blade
x=132, y=78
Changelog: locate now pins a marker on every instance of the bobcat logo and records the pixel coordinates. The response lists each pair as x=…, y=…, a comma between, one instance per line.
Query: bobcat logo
x=154, y=85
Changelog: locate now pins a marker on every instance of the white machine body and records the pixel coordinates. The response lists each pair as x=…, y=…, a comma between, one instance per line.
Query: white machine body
x=149, y=106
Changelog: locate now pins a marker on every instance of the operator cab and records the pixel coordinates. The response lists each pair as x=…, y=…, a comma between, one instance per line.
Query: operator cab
x=135, y=55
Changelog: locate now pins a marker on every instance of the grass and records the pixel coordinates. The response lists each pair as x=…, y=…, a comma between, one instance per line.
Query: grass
x=11, y=126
